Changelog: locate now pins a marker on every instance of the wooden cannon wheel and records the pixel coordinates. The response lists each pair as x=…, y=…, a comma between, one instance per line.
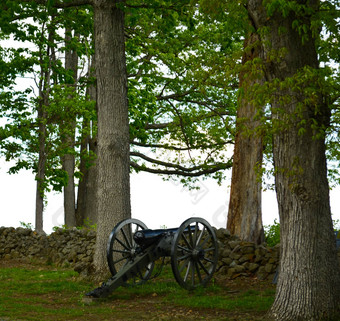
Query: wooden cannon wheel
x=122, y=248
x=194, y=253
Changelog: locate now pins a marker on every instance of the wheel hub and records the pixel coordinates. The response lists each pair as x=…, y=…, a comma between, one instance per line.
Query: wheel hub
x=198, y=254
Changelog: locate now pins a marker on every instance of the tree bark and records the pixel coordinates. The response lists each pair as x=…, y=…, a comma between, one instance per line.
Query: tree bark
x=68, y=139
x=309, y=279
x=245, y=212
x=113, y=124
x=40, y=176
x=43, y=101
x=87, y=188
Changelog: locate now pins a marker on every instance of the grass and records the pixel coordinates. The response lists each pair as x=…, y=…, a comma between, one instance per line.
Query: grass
x=47, y=293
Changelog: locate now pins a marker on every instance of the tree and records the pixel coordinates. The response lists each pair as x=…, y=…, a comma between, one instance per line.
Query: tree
x=177, y=110
x=87, y=187
x=309, y=279
x=245, y=207
x=68, y=139
x=181, y=115
x=245, y=213
x=21, y=125
x=113, y=198
x=60, y=105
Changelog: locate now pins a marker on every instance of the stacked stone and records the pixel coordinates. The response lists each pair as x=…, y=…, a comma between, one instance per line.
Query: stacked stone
x=71, y=247
x=239, y=258
x=75, y=248
x=21, y=242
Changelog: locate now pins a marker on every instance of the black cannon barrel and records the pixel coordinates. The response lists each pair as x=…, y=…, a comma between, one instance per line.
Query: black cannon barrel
x=147, y=237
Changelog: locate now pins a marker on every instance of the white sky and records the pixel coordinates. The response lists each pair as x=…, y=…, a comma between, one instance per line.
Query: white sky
x=155, y=202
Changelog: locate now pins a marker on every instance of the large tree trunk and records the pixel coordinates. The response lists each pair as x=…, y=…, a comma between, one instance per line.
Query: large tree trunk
x=245, y=213
x=113, y=124
x=309, y=279
x=68, y=138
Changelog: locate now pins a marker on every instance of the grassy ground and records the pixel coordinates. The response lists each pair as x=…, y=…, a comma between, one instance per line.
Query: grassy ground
x=41, y=292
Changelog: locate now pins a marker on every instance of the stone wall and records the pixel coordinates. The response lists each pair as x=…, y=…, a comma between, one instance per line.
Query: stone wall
x=240, y=258
x=75, y=248
x=70, y=247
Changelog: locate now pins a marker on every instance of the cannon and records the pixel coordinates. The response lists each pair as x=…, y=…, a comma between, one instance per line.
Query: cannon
x=132, y=250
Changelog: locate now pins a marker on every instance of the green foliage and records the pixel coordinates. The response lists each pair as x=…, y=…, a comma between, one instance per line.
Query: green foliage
x=336, y=225
x=183, y=62
x=180, y=107
x=38, y=53
x=26, y=225
x=88, y=224
x=272, y=233
x=61, y=228
x=313, y=89
x=181, y=113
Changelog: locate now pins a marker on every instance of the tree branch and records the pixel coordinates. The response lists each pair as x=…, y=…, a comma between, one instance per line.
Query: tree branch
x=207, y=171
x=181, y=148
x=213, y=113
x=62, y=4
x=182, y=169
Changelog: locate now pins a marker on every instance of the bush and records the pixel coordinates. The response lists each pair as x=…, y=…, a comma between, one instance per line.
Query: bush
x=26, y=225
x=272, y=233
x=336, y=225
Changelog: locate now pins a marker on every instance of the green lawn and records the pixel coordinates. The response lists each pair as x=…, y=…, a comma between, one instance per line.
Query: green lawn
x=48, y=293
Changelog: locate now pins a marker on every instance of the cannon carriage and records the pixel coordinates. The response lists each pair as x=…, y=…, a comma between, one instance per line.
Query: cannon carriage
x=133, y=249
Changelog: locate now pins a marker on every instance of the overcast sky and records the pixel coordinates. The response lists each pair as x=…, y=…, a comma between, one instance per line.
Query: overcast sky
x=155, y=202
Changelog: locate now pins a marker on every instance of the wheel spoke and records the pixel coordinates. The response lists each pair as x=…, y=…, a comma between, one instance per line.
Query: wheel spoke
x=206, y=240
x=195, y=235
x=198, y=272
x=192, y=274
x=187, y=271
x=183, y=248
x=184, y=265
x=200, y=236
x=119, y=260
x=122, y=244
x=181, y=258
x=121, y=251
x=210, y=249
x=186, y=240
x=203, y=267
x=209, y=260
x=191, y=242
x=127, y=239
